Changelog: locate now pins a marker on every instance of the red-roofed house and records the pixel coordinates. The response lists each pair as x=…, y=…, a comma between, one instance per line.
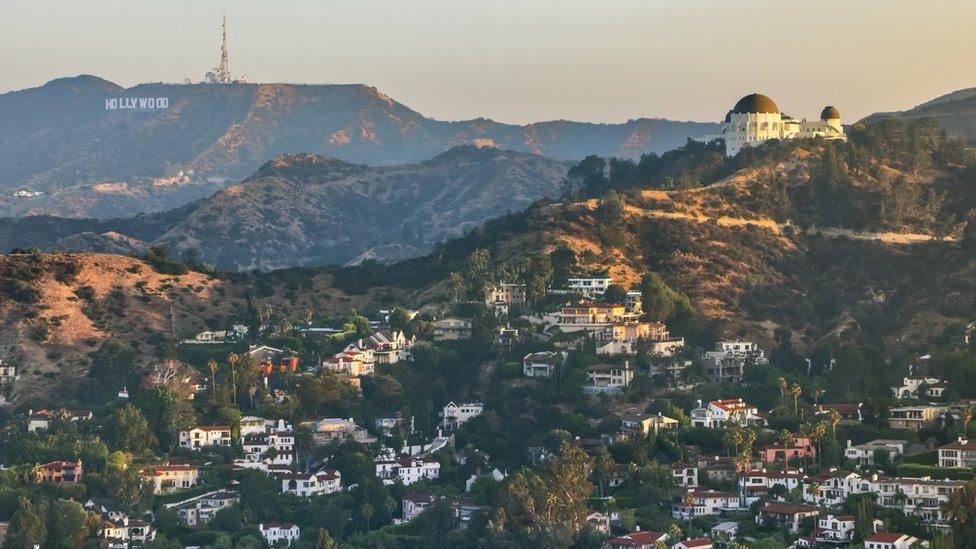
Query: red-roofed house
x=718, y=412
x=173, y=477
x=636, y=540
x=205, y=435
x=325, y=481
x=961, y=453
x=60, y=472
x=889, y=540
x=706, y=503
x=693, y=543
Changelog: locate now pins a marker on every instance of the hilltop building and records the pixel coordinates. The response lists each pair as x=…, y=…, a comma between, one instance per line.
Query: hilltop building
x=756, y=118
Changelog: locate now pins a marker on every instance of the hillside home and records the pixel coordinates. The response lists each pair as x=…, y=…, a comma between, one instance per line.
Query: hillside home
x=835, y=529
x=274, y=532
x=934, y=387
x=693, y=543
x=724, y=533
x=636, y=540
x=454, y=415
x=961, y=453
x=355, y=363
x=503, y=298
x=408, y=470
x=706, y=503
x=924, y=497
x=647, y=424
x=590, y=316
x=608, y=378
x=201, y=509
x=863, y=455
x=684, y=475
x=784, y=515
x=277, y=447
x=59, y=472
x=599, y=522
x=756, y=484
x=718, y=412
x=625, y=338
x=205, y=435
x=264, y=353
x=8, y=373
x=849, y=413
x=174, y=477
x=306, y=485
x=729, y=360
x=800, y=448
x=43, y=418
x=326, y=430
x=413, y=504
x=589, y=286
x=126, y=532
x=384, y=347
x=834, y=485
x=914, y=418
x=543, y=363
x=889, y=540
x=452, y=329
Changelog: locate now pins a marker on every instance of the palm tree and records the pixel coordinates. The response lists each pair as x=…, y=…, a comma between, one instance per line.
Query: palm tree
x=967, y=416
x=366, y=511
x=782, y=387
x=795, y=392
x=690, y=504
x=212, y=364
x=815, y=492
x=834, y=419
x=233, y=360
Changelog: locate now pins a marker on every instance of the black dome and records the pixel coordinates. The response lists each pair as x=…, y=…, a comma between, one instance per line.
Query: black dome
x=829, y=112
x=728, y=116
x=755, y=103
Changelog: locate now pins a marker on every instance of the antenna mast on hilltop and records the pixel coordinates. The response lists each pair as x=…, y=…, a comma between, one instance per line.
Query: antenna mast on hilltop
x=221, y=74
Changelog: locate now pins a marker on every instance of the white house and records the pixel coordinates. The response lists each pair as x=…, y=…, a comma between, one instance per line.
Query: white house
x=8, y=373
x=717, y=412
x=408, y=470
x=202, y=508
x=274, y=532
x=413, y=504
x=326, y=430
x=961, y=453
x=452, y=329
x=863, y=454
x=589, y=286
x=934, y=387
x=756, y=484
x=275, y=447
x=835, y=529
x=705, y=503
x=202, y=436
x=542, y=363
x=454, y=415
x=305, y=485
x=608, y=378
x=729, y=360
x=172, y=478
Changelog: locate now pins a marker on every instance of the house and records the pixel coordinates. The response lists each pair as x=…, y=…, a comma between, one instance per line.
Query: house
x=729, y=360
x=382, y=347
x=705, y=503
x=835, y=529
x=326, y=430
x=106, y=508
x=590, y=315
x=202, y=436
x=636, y=540
x=174, y=477
x=126, y=532
x=43, y=418
x=454, y=415
x=834, y=487
x=684, y=475
x=505, y=297
x=413, y=504
x=756, y=484
x=179, y=377
x=543, y=363
x=693, y=543
x=914, y=418
x=784, y=515
x=354, y=362
x=647, y=424
x=59, y=472
x=306, y=485
x=889, y=540
x=608, y=378
x=8, y=373
x=388, y=425
x=923, y=497
x=724, y=533
x=276, y=444
x=849, y=413
x=273, y=532
x=589, y=286
x=718, y=412
x=265, y=353
x=599, y=522
x=452, y=329
x=506, y=339
x=201, y=509
x=801, y=447
x=408, y=470
x=626, y=337
x=934, y=387
x=961, y=453
x=863, y=455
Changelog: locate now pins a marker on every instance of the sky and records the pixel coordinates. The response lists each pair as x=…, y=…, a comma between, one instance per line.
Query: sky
x=521, y=60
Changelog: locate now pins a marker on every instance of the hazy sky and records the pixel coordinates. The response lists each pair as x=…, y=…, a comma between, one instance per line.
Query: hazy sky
x=521, y=60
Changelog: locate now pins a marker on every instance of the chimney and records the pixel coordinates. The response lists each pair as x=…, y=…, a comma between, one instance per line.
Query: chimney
x=849, y=443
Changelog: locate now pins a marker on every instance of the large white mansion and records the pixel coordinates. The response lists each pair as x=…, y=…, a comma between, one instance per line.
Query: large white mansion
x=756, y=118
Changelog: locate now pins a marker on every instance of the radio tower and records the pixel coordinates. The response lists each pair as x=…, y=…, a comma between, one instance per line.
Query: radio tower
x=221, y=74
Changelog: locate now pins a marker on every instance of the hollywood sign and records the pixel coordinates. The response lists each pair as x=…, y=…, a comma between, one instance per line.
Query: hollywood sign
x=137, y=103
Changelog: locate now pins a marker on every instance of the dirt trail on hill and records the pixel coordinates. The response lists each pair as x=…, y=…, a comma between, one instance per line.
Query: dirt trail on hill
x=769, y=224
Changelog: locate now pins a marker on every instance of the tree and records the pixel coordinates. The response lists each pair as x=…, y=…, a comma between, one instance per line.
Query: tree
x=615, y=293
x=604, y=468
x=66, y=524
x=212, y=365
x=795, y=392
x=27, y=528
x=962, y=510
x=325, y=541
x=454, y=284
x=366, y=511
x=538, y=277
x=131, y=430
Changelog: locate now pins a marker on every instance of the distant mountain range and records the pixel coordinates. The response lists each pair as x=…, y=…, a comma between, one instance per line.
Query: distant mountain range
x=955, y=112
x=62, y=135
x=306, y=209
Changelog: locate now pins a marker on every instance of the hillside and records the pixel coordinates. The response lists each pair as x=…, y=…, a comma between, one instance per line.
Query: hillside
x=60, y=135
x=828, y=242
x=310, y=209
x=955, y=113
